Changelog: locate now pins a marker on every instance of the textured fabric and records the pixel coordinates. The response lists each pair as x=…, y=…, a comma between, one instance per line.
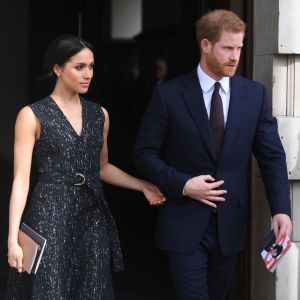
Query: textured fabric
x=80, y=231
x=217, y=118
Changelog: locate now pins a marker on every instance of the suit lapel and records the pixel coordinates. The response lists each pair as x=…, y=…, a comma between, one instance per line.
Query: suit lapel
x=193, y=97
x=235, y=113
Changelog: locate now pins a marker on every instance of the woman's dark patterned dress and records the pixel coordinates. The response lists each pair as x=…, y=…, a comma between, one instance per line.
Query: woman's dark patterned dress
x=68, y=209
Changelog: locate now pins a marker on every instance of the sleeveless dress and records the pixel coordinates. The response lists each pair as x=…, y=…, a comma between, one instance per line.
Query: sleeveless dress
x=67, y=208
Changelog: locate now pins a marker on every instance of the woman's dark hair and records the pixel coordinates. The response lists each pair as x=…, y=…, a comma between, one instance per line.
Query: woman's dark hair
x=59, y=51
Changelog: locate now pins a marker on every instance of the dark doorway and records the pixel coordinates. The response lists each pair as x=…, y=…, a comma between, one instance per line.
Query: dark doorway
x=122, y=84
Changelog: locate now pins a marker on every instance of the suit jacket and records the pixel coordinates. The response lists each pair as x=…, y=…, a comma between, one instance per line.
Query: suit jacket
x=175, y=143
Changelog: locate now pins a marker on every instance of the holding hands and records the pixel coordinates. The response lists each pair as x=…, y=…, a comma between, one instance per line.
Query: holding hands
x=153, y=194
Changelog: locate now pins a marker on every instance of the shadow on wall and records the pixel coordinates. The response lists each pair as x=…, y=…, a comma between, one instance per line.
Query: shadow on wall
x=6, y=176
x=296, y=170
x=298, y=166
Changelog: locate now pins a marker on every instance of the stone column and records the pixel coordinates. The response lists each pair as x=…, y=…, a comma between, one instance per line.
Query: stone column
x=276, y=62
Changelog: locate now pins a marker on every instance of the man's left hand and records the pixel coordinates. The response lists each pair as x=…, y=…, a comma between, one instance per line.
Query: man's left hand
x=281, y=224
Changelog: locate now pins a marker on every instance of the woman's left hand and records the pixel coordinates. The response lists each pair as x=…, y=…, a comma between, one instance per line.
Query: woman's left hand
x=153, y=194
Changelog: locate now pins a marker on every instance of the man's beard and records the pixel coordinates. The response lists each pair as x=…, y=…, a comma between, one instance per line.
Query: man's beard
x=219, y=69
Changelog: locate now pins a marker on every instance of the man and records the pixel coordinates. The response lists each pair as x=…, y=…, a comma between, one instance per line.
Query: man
x=160, y=70
x=195, y=143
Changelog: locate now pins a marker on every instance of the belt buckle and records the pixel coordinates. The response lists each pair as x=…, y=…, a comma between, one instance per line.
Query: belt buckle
x=82, y=177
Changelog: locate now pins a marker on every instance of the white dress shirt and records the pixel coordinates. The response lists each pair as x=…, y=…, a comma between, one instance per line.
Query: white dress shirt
x=207, y=86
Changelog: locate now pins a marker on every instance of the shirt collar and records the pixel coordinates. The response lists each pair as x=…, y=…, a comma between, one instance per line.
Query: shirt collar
x=207, y=82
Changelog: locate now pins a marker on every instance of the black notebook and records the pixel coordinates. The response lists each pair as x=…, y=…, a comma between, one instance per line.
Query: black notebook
x=33, y=246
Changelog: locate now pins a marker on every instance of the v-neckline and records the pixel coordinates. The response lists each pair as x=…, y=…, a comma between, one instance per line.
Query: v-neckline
x=67, y=120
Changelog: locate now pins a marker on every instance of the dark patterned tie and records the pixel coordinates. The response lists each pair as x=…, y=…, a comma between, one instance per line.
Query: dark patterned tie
x=217, y=118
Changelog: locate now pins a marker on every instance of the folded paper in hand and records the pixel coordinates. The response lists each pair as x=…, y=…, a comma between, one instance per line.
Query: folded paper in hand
x=273, y=253
x=33, y=246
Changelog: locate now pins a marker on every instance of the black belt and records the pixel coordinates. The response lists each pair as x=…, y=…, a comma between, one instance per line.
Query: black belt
x=76, y=178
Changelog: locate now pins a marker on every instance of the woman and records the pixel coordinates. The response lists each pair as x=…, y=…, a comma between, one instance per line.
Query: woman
x=67, y=136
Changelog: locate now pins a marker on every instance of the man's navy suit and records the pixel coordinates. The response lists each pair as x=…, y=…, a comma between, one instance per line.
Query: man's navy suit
x=175, y=143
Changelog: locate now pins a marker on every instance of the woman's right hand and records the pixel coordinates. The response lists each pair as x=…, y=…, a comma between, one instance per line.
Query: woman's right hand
x=152, y=193
x=15, y=256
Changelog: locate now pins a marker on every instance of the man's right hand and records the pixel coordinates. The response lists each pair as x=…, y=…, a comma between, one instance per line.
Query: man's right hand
x=203, y=188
